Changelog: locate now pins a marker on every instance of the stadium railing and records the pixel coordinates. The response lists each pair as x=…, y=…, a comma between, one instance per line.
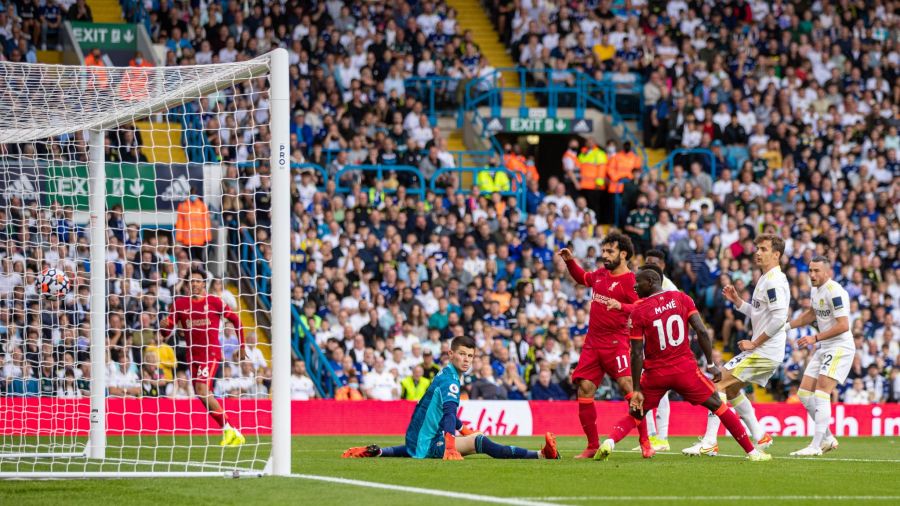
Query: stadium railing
x=518, y=189
x=680, y=154
x=436, y=91
x=379, y=171
x=462, y=158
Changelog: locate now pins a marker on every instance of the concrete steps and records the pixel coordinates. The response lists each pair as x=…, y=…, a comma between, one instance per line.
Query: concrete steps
x=161, y=142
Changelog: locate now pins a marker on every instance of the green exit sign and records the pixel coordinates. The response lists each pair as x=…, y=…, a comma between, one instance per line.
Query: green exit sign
x=540, y=125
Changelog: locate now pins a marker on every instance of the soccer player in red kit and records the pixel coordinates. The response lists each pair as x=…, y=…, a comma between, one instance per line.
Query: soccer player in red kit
x=606, y=347
x=661, y=349
x=200, y=316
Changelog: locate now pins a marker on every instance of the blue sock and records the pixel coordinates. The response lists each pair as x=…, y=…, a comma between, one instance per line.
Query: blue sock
x=395, y=451
x=498, y=451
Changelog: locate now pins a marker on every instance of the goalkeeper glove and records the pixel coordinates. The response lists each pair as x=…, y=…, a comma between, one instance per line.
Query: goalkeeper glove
x=450, y=451
x=465, y=430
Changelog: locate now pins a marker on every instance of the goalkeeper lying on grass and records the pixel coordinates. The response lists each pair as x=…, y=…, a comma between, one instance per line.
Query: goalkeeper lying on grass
x=432, y=430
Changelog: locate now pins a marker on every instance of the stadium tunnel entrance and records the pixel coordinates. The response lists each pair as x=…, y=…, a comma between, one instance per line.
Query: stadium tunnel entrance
x=545, y=150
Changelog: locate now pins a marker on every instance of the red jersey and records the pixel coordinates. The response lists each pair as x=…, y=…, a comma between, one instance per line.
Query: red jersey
x=605, y=325
x=661, y=321
x=201, y=318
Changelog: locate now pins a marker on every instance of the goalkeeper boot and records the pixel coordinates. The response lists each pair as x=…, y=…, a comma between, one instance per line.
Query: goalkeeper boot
x=809, y=451
x=830, y=443
x=701, y=448
x=758, y=456
x=361, y=452
x=605, y=450
x=549, y=451
x=765, y=442
x=232, y=437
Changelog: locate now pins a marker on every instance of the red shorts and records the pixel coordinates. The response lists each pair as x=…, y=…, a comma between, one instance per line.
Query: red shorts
x=203, y=369
x=614, y=360
x=692, y=385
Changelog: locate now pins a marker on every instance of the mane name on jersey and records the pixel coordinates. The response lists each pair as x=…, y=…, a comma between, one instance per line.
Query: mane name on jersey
x=661, y=309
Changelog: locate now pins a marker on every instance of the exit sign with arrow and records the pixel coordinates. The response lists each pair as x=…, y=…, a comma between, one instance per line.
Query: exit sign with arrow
x=539, y=125
x=106, y=36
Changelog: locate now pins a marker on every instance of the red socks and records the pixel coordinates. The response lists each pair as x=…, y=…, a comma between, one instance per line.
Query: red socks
x=219, y=417
x=731, y=422
x=587, y=415
x=624, y=426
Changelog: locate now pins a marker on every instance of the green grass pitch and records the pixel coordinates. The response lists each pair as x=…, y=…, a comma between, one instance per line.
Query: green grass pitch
x=861, y=470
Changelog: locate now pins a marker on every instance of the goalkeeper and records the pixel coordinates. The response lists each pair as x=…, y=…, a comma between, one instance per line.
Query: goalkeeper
x=432, y=430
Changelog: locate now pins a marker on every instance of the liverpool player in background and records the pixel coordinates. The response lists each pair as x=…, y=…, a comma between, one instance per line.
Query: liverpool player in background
x=606, y=347
x=661, y=348
x=199, y=316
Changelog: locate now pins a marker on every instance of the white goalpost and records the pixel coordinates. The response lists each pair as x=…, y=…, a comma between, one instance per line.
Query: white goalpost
x=131, y=344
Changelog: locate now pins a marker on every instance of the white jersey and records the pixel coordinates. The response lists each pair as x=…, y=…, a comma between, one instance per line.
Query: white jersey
x=668, y=285
x=768, y=307
x=830, y=302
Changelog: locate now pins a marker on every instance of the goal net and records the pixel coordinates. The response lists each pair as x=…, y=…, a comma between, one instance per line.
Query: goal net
x=130, y=342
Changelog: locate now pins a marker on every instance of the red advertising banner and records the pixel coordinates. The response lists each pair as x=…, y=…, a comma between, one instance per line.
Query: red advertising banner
x=45, y=416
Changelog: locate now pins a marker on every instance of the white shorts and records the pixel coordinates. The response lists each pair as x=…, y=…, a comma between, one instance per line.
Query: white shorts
x=749, y=367
x=834, y=363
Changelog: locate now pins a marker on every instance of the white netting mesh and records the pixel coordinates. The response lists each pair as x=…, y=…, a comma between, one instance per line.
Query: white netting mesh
x=174, y=138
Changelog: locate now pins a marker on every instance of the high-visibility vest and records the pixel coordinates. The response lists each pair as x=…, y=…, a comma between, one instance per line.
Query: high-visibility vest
x=620, y=167
x=412, y=392
x=499, y=182
x=593, y=169
x=192, y=224
x=99, y=77
x=135, y=84
x=571, y=155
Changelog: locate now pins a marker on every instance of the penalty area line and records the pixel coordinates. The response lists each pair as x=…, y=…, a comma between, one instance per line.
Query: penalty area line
x=516, y=501
x=780, y=457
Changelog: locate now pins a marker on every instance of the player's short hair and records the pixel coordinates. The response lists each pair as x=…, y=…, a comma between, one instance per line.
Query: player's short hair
x=651, y=272
x=655, y=253
x=776, y=242
x=200, y=271
x=463, y=342
x=622, y=241
x=820, y=259
x=657, y=270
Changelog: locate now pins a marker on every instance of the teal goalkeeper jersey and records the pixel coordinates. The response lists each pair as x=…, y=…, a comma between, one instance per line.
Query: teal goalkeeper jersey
x=425, y=427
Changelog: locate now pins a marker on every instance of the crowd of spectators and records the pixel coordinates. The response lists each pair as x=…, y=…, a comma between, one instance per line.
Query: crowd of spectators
x=798, y=103
x=27, y=26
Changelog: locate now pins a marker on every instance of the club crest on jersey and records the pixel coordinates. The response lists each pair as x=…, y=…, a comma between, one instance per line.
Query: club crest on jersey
x=613, y=285
x=837, y=302
x=773, y=294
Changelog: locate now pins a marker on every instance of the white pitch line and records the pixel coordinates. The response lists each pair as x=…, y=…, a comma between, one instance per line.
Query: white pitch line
x=719, y=498
x=516, y=501
x=782, y=458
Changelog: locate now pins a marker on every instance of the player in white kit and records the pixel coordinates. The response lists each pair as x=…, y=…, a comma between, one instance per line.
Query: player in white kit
x=761, y=356
x=830, y=363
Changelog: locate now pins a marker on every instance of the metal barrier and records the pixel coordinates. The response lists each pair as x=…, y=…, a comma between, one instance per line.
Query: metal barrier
x=430, y=89
x=379, y=171
x=670, y=159
x=517, y=188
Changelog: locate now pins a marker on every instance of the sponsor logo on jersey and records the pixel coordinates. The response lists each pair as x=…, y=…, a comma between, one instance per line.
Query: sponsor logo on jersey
x=837, y=302
x=824, y=313
x=773, y=294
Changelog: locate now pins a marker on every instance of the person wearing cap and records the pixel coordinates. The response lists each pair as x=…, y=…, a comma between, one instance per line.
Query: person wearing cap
x=429, y=367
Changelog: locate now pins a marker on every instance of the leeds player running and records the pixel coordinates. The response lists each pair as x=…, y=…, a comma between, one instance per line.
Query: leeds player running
x=660, y=347
x=761, y=356
x=831, y=362
x=432, y=430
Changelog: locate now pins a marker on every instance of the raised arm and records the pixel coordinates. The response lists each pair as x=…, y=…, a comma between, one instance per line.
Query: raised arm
x=575, y=270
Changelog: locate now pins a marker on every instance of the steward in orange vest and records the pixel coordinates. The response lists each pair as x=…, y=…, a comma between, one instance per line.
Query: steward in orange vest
x=621, y=166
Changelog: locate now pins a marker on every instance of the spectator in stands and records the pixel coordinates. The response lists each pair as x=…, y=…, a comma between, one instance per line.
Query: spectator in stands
x=193, y=226
x=546, y=389
x=380, y=384
x=302, y=387
x=486, y=387
x=413, y=387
